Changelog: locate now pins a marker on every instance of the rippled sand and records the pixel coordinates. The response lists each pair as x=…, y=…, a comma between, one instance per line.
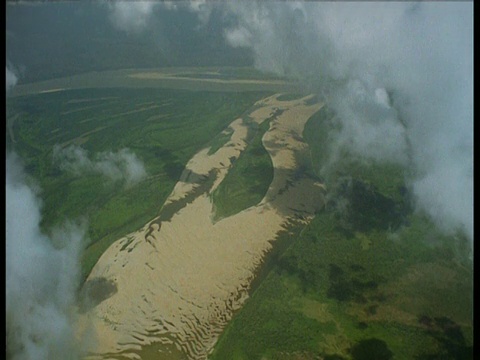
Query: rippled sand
x=179, y=279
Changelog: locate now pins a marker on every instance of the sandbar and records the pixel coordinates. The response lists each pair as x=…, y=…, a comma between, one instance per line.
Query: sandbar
x=180, y=278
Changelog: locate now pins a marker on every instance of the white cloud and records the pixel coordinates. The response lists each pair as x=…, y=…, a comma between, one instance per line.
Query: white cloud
x=421, y=53
x=10, y=79
x=379, y=62
x=131, y=16
x=369, y=128
x=135, y=16
x=238, y=37
x=122, y=165
x=41, y=278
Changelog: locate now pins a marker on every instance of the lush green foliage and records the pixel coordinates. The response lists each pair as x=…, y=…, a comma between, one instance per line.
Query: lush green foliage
x=328, y=293
x=164, y=128
x=248, y=180
x=219, y=141
x=368, y=278
x=344, y=290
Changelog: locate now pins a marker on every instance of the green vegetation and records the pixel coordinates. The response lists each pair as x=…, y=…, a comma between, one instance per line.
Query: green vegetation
x=327, y=294
x=317, y=134
x=320, y=132
x=366, y=279
x=164, y=128
x=248, y=180
x=219, y=141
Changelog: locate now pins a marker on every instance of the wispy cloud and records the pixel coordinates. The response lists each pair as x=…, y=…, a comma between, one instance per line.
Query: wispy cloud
x=41, y=276
x=122, y=165
x=421, y=54
x=10, y=79
x=136, y=16
x=131, y=16
x=399, y=76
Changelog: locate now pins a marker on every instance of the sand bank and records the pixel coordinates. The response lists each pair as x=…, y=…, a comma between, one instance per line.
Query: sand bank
x=179, y=279
x=165, y=76
x=162, y=78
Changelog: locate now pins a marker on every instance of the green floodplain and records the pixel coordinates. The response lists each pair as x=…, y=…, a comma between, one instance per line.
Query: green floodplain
x=373, y=280
x=370, y=280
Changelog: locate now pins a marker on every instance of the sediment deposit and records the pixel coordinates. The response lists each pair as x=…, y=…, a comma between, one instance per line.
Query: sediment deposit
x=179, y=279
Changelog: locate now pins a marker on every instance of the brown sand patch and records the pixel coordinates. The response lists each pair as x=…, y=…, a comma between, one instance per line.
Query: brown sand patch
x=182, y=278
x=316, y=310
x=164, y=76
x=52, y=90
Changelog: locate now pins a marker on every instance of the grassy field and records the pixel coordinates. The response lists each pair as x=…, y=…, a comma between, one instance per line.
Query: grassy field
x=163, y=128
x=370, y=280
x=247, y=182
x=329, y=294
x=367, y=278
